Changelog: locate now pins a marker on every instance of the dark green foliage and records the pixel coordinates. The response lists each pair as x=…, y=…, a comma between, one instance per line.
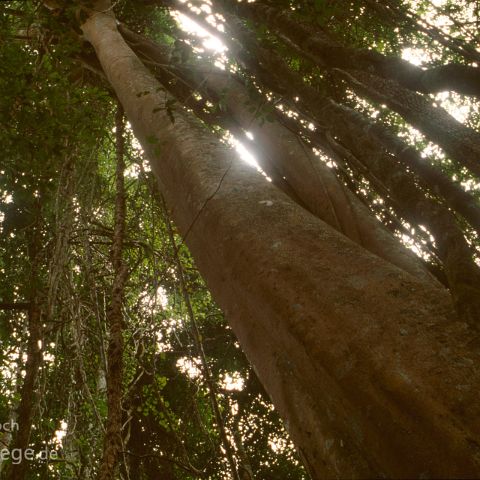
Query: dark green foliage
x=57, y=175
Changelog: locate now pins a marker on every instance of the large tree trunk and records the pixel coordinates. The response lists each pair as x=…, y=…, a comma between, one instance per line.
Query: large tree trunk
x=290, y=163
x=370, y=369
x=316, y=185
x=367, y=141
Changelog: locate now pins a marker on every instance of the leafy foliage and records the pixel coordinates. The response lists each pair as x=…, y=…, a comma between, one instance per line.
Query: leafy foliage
x=57, y=177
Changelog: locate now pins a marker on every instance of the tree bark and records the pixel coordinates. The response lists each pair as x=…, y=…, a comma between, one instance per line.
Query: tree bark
x=329, y=52
x=282, y=151
x=368, y=366
x=342, y=121
x=395, y=13
x=112, y=443
x=459, y=142
x=367, y=140
x=28, y=396
x=419, y=208
x=26, y=407
x=290, y=163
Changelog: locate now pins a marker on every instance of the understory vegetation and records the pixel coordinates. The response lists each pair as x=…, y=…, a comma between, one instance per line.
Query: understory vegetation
x=114, y=354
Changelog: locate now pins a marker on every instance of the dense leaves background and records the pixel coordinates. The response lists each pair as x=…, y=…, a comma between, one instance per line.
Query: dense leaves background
x=57, y=187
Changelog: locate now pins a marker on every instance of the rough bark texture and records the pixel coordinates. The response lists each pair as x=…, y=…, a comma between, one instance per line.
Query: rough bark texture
x=436, y=182
x=367, y=141
x=314, y=183
x=274, y=73
x=369, y=368
x=112, y=443
x=463, y=274
x=290, y=163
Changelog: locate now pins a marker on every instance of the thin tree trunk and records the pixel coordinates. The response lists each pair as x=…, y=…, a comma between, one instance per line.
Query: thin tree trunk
x=28, y=396
x=461, y=143
x=329, y=52
x=25, y=411
x=64, y=220
x=112, y=444
x=364, y=362
x=395, y=13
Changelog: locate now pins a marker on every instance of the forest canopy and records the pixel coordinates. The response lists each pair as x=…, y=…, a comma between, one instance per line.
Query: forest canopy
x=239, y=240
